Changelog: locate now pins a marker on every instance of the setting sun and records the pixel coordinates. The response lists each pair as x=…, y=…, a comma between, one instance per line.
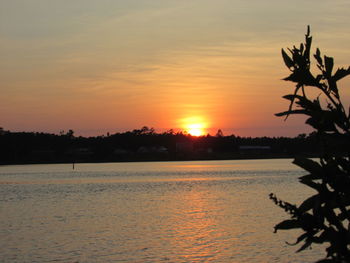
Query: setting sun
x=194, y=126
x=195, y=129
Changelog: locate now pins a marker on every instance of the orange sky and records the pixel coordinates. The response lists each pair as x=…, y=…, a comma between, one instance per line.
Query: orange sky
x=107, y=66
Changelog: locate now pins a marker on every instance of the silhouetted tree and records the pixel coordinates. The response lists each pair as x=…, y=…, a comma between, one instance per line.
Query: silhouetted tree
x=38, y=147
x=325, y=216
x=219, y=133
x=144, y=131
x=70, y=134
x=2, y=131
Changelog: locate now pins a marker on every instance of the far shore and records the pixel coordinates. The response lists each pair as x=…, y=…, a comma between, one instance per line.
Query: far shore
x=252, y=157
x=146, y=145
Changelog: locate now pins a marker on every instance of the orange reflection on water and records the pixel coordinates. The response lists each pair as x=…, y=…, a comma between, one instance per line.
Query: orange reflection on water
x=199, y=166
x=195, y=228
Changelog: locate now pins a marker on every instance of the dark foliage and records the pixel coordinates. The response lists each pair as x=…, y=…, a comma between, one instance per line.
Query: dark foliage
x=145, y=145
x=325, y=216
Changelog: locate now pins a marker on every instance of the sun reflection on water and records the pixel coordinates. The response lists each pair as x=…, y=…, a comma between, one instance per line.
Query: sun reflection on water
x=148, y=212
x=195, y=228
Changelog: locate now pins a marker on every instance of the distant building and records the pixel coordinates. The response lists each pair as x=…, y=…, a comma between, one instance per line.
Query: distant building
x=254, y=149
x=152, y=149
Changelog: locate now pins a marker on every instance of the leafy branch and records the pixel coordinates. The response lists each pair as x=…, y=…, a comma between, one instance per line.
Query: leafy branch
x=325, y=216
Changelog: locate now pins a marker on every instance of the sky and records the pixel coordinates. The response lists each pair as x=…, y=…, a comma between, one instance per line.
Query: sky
x=98, y=66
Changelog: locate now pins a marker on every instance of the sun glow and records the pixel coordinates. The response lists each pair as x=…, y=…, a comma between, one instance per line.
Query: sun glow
x=195, y=129
x=194, y=126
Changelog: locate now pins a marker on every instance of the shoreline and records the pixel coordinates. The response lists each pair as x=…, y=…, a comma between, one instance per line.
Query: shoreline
x=147, y=160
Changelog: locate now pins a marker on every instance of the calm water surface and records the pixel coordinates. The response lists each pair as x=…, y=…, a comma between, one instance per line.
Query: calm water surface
x=204, y=211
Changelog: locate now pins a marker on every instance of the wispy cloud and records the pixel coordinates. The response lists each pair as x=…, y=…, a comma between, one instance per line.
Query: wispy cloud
x=155, y=61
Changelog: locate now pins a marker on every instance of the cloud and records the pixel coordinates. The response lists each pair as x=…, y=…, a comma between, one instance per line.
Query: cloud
x=220, y=58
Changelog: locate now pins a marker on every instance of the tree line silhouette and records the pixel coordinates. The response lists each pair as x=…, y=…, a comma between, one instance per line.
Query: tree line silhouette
x=146, y=145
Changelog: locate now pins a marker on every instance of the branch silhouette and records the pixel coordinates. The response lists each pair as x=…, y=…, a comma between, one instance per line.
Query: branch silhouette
x=325, y=216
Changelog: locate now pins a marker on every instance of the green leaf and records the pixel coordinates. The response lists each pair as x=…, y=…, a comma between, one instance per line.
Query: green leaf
x=299, y=239
x=308, y=165
x=294, y=77
x=287, y=224
x=311, y=177
x=292, y=97
x=306, y=103
x=311, y=184
x=317, y=56
x=302, y=101
x=307, y=48
x=318, y=52
x=305, y=246
x=341, y=73
x=291, y=112
x=309, y=203
x=321, y=121
x=309, y=222
x=287, y=60
x=329, y=62
x=301, y=48
x=312, y=122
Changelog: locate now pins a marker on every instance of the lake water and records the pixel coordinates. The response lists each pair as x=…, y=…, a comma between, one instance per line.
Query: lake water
x=202, y=211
